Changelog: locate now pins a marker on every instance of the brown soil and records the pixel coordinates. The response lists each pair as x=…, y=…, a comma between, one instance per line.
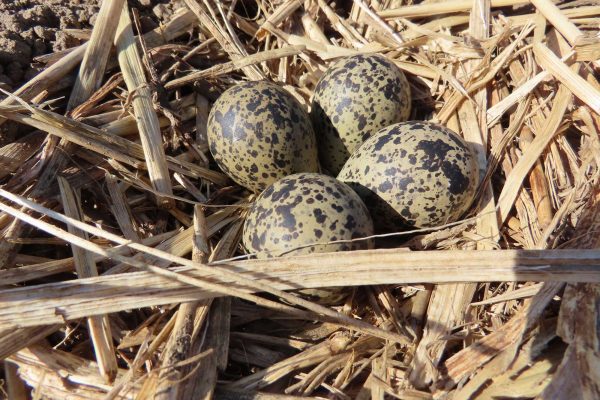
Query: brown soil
x=30, y=28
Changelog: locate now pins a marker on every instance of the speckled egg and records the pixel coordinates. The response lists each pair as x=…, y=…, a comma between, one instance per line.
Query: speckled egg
x=355, y=98
x=304, y=209
x=413, y=173
x=258, y=133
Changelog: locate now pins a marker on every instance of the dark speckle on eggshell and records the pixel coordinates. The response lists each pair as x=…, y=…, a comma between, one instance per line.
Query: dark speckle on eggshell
x=420, y=174
x=258, y=133
x=355, y=98
x=282, y=218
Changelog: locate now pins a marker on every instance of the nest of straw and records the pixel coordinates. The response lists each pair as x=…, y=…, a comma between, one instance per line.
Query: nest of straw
x=119, y=236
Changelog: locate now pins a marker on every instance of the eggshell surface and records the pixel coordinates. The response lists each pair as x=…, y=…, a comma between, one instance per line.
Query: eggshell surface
x=306, y=210
x=414, y=174
x=355, y=98
x=258, y=133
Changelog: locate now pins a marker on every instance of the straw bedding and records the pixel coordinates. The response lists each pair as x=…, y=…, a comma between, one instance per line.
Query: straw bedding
x=120, y=268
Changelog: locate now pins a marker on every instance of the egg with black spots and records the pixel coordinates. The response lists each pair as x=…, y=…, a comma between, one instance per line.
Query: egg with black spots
x=354, y=99
x=301, y=213
x=414, y=174
x=259, y=133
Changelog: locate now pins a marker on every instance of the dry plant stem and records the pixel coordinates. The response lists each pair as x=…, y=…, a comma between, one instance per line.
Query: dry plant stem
x=220, y=316
x=538, y=184
x=325, y=51
x=217, y=325
x=257, y=285
x=515, y=179
x=432, y=9
x=525, y=291
x=488, y=73
x=568, y=77
x=497, y=374
x=207, y=22
x=175, y=67
x=330, y=350
x=144, y=353
x=94, y=61
x=57, y=160
x=26, y=273
x=91, y=105
x=180, y=244
x=316, y=377
x=475, y=128
x=127, y=125
x=449, y=303
x=15, y=387
x=267, y=339
x=47, y=77
x=499, y=109
x=576, y=15
x=422, y=33
x=509, y=336
x=282, y=12
x=131, y=261
x=121, y=209
x=13, y=340
x=224, y=393
x=577, y=376
x=447, y=307
x=170, y=383
x=203, y=381
x=225, y=68
x=381, y=267
x=311, y=356
x=98, y=140
x=26, y=259
x=202, y=111
x=73, y=137
x=182, y=20
x=54, y=374
x=15, y=154
x=415, y=31
x=375, y=379
x=190, y=187
x=99, y=326
x=559, y=20
x=29, y=90
x=379, y=21
x=313, y=30
x=340, y=24
x=233, y=37
x=143, y=107
x=205, y=378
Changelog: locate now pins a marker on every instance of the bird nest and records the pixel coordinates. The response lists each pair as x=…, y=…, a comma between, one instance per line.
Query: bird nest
x=120, y=267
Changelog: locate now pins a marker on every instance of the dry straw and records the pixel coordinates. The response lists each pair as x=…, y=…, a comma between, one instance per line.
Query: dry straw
x=107, y=293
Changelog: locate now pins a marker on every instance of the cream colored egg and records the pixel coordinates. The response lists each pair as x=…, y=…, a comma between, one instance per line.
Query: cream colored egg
x=414, y=173
x=355, y=98
x=258, y=133
x=302, y=213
